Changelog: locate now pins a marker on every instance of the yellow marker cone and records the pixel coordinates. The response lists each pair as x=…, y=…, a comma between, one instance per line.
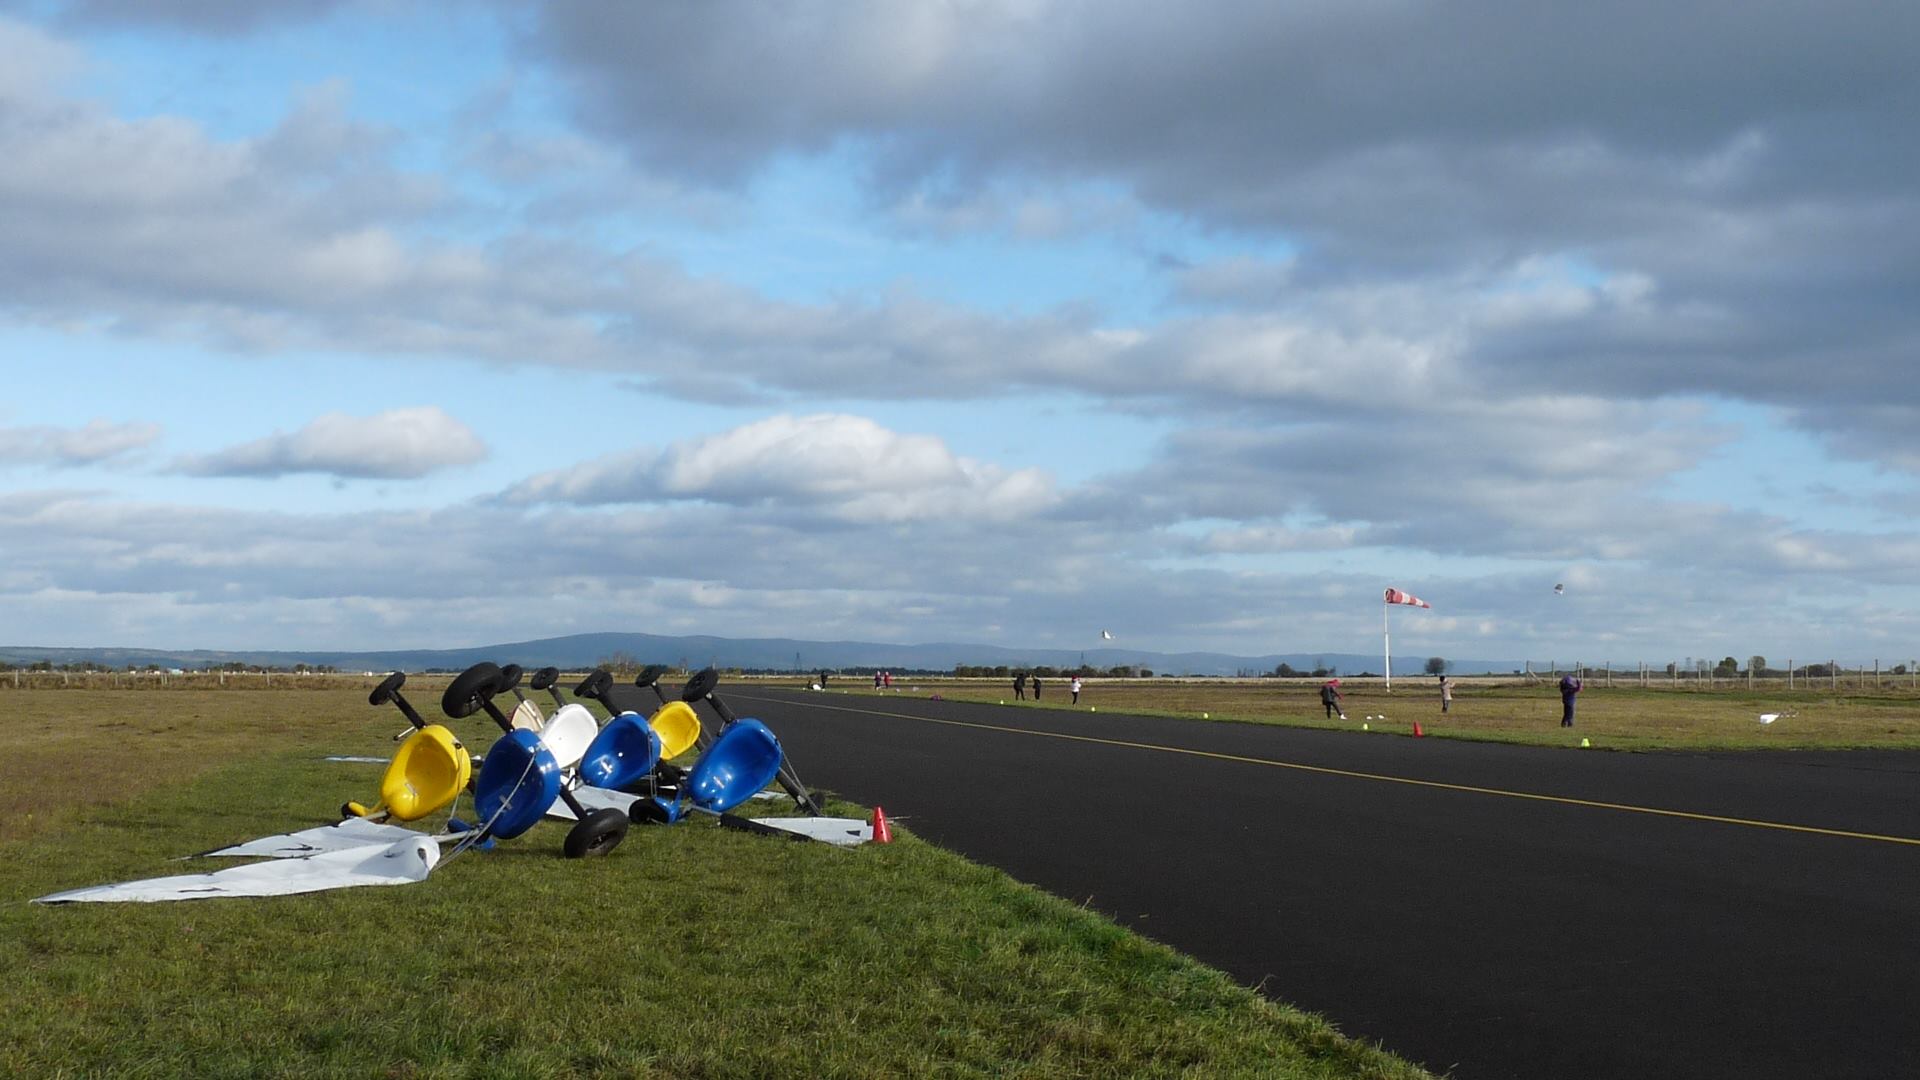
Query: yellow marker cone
x=1366, y=727
x=1093, y=708
x=1206, y=716
x=1003, y=701
x=1584, y=743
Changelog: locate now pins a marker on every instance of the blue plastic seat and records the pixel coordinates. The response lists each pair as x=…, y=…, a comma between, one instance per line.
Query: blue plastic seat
x=741, y=762
x=621, y=756
x=518, y=781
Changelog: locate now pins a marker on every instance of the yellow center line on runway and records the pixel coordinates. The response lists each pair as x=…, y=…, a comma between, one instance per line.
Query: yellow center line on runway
x=1356, y=775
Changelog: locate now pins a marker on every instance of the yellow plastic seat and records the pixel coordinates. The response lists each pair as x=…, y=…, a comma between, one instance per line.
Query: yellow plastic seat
x=678, y=727
x=429, y=771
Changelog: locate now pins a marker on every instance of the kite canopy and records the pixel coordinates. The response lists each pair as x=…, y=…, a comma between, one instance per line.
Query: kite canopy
x=517, y=782
x=398, y=863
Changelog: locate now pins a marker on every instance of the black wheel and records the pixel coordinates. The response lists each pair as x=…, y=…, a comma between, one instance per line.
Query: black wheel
x=509, y=678
x=669, y=774
x=388, y=687
x=544, y=678
x=648, y=812
x=596, y=834
x=595, y=685
x=463, y=695
x=700, y=685
x=649, y=675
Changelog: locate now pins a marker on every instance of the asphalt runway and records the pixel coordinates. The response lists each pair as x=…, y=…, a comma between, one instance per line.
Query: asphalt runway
x=1493, y=911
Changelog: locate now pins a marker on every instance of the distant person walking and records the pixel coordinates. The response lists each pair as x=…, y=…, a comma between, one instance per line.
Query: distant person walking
x=1020, y=686
x=1075, y=687
x=1569, y=686
x=876, y=680
x=1036, y=688
x=1330, y=698
x=886, y=679
x=1446, y=694
x=823, y=680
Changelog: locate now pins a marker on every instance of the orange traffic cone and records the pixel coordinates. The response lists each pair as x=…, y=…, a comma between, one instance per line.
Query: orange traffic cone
x=881, y=833
x=1417, y=733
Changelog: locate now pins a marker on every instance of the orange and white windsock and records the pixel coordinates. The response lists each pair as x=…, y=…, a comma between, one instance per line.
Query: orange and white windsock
x=1395, y=596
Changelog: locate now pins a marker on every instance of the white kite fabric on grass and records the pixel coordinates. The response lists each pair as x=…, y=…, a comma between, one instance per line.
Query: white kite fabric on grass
x=593, y=798
x=1395, y=596
x=343, y=836
x=401, y=863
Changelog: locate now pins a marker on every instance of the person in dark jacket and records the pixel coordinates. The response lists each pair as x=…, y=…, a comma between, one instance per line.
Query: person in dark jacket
x=1569, y=686
x=1036, y=688
x=1020, y=686
x=1331, y=698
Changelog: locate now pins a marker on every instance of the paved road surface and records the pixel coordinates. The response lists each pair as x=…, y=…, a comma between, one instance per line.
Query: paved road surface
x=1474, y=931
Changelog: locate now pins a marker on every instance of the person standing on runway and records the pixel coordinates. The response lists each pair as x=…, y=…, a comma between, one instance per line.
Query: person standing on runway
x=1569, y=686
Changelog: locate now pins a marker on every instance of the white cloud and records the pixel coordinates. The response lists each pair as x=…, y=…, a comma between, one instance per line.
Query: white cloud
x=396, y=444
x=97, y=441
x=825, y=464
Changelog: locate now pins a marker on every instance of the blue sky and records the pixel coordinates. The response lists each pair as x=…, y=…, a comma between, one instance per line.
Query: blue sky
x=360, y=325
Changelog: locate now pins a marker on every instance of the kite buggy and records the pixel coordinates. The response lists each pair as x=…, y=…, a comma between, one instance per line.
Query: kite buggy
x=569, y=765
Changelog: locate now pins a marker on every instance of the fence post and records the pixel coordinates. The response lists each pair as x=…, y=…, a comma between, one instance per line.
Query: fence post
x=1833, y=674
x=1789, y=672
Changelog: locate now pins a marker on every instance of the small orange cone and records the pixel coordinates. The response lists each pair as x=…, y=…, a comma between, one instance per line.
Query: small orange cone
x=881, y=833
x=1417, y=733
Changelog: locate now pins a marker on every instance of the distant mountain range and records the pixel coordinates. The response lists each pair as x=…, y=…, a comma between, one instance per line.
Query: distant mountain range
x=581, y=651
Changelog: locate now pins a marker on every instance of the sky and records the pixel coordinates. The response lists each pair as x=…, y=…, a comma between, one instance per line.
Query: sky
x=357, y=324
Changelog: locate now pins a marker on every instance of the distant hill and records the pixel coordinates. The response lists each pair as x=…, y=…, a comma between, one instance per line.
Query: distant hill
x=581, y=651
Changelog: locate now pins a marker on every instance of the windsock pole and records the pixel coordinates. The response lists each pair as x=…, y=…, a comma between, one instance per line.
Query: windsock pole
x=1386, y=644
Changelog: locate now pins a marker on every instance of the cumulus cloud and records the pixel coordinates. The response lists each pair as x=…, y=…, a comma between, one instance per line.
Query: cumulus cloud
x=829, y=464
x=396, y=444
x=95, y=442
x=148, y=573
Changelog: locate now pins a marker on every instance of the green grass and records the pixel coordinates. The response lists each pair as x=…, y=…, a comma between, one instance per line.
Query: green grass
x=691, y=951
x=1500, y=710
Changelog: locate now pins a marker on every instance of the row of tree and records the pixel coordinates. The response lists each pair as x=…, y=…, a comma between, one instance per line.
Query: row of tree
x=1085, y=671
x=82, y=667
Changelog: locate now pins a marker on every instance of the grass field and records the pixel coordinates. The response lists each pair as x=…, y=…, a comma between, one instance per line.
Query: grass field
x=1620, y=717
x=691, y=951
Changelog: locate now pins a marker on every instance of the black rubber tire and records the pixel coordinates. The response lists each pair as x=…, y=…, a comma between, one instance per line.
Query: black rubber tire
x=388, y=687
x=594, y=686
x=648, y=812
x=510, y=677
x=463, y=695
x=700, y=686
x=649, y=675
x=544, y=678
x=669, y=774
x=596, y=834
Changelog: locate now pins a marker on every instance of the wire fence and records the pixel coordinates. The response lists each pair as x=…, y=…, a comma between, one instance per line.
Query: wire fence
x=1826, y=676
